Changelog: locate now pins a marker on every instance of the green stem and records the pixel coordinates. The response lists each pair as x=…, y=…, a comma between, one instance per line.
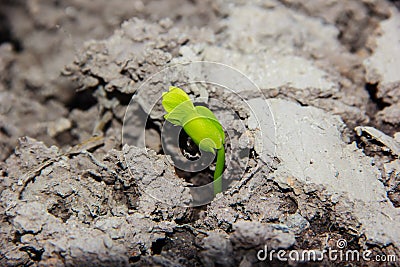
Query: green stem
x=219, y=169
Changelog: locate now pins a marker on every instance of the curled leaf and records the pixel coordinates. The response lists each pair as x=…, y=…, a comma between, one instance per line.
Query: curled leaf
x=198, y=122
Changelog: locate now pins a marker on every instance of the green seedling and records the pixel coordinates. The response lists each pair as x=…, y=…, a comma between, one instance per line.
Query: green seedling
x=200, y=124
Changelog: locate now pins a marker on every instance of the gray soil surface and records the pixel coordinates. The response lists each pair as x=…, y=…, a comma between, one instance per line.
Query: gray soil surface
x=74, y=194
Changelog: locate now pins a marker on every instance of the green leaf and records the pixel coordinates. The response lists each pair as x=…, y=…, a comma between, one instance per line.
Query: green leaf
x=200, y=127
x=181, y=114
x=200, y=124
x=178, y=105
x=175, y=97
x=208, y=145
x=204, y=111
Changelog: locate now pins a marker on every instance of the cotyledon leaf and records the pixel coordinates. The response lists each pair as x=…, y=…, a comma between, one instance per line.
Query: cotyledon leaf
x=200, y=124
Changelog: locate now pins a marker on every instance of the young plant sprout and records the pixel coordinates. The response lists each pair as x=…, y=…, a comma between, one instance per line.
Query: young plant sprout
x=200, y=124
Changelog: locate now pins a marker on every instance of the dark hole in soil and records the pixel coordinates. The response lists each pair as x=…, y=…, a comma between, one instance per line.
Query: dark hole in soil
x=60, y=210
x=65, y=138
x=196, y=178
x=92, y=175
x=151, y=125
x=290, y=205
x=194, y=215
x=371, y=146
x=134, y=259
x=323, y=223
x=132, y=198
x=188, y=148
x=34, y=254
x=4, y=131
x=17, y=237
x=4, y=173
x=182, y=245
x=191, y=151
x=375, y=105
x=157, y=246
x=394, y=195
x=123, y=99
x=82, y=100
x=352, y=241
x=6, y=35
x=372, y=90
